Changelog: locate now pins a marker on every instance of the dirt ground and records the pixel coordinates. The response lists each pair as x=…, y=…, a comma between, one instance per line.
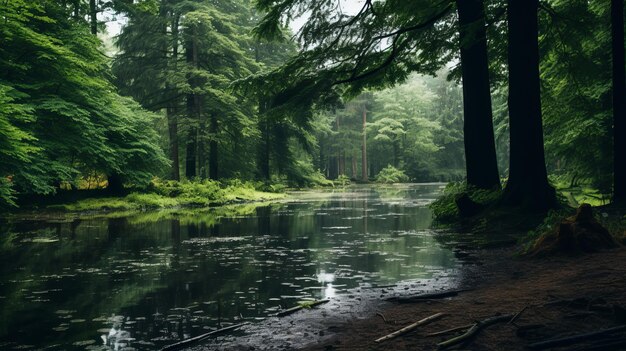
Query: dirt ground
x=559, y=296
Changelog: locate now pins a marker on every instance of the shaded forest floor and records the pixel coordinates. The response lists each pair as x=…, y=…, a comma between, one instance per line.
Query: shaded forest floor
x=559, y=296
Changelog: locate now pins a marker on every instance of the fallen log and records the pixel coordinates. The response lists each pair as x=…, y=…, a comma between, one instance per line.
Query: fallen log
x=198, y=338
x=451, y=330
x=568, y=340
x=298, y=308
x=425, y=296
x=475, y=329
x=410, y=327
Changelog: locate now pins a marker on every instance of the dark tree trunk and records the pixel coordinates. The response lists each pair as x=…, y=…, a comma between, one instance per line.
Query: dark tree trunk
x=528, y=185
x=353, y=159
x=619, y=99
x=172, y=118
x=191, y=170
x=396, y=153
x=93, y=17
x=364, y=177
x=172, y=126
x=480, y=147
x=116, y=185
x=263, y=150
x=213, y=145
x=333, y=170
x=190, y=157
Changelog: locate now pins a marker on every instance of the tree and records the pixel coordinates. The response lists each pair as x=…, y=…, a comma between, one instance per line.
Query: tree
x=64, y=104
x=379, y=46
x=527, y=185
x=619, y=94
x=480, y=150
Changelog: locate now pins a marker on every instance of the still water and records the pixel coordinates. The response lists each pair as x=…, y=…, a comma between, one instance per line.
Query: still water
x=142, y=281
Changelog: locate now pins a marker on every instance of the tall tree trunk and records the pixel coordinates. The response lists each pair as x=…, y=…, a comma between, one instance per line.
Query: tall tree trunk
x=480, y=147
x=172, y=117
x=172, y=126
x=528, y=185
x=190, y=157
x=93, y=17
x=353, y=160
x=364, y=177
x=263, y=150
x=619, y=96
x=213, y=145
x=191, y=56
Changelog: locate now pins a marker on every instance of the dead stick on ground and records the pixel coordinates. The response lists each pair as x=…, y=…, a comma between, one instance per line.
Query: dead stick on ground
x=298, y=308
x=410, y=327
x=382, y=316
x=189, y=341
x=474, y=330
x=574, y=338
x=463, y=327
x=518, y=314
x=425, y=296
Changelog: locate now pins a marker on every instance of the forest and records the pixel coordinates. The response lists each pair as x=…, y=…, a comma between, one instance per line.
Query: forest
x=194, y=152
x=221, y=90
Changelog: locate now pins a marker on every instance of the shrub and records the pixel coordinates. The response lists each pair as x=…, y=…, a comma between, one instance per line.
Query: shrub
x=390, y=175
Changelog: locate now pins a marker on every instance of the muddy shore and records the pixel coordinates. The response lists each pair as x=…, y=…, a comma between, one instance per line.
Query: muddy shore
x=559, y=296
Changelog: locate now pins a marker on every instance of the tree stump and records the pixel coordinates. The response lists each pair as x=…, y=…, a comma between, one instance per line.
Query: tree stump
x=577, y=234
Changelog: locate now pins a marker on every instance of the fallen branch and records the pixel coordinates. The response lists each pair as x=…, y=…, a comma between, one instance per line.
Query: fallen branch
x=410, y=327
x=475, y=329
x=298, y=308
x=574, y=338
x=195, y=339
x=516, y=316
x=382, y=316
x=426, y=296
x=451, y=330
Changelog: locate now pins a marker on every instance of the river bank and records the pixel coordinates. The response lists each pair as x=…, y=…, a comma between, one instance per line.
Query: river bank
x=558, y=296
x=550, y=298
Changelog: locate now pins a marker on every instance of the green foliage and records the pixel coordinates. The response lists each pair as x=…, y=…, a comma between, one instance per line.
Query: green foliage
x=60, y=117
x=445, y=208
x=172, y=194
x=391, y=175
x=343, y=180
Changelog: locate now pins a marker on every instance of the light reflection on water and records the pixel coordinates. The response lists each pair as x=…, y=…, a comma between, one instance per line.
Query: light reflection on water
x=143, y=281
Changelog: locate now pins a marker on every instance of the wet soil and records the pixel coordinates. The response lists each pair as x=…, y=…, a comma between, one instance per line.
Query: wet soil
x=558, y=296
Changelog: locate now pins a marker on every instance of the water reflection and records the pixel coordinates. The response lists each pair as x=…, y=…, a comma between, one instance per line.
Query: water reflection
x=147, y=279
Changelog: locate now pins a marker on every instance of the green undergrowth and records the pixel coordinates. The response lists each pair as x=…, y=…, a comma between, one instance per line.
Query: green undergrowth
x=172, y=194
x=391, y=175
x=498, y=226
x=445, y=209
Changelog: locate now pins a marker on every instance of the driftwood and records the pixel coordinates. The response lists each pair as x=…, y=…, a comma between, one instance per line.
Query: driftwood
x=298, y=308
x=425, y=296
x=451, y=330
x=475, y=329
x=410, y=327
x=568, y=340
x=195, y=339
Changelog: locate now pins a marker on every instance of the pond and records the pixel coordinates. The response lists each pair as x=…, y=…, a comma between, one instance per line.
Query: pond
x=145, y=280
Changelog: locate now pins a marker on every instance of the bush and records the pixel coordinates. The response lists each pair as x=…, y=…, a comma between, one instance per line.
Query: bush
x=445, y=208
x=342, y=180
x=390, y=175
